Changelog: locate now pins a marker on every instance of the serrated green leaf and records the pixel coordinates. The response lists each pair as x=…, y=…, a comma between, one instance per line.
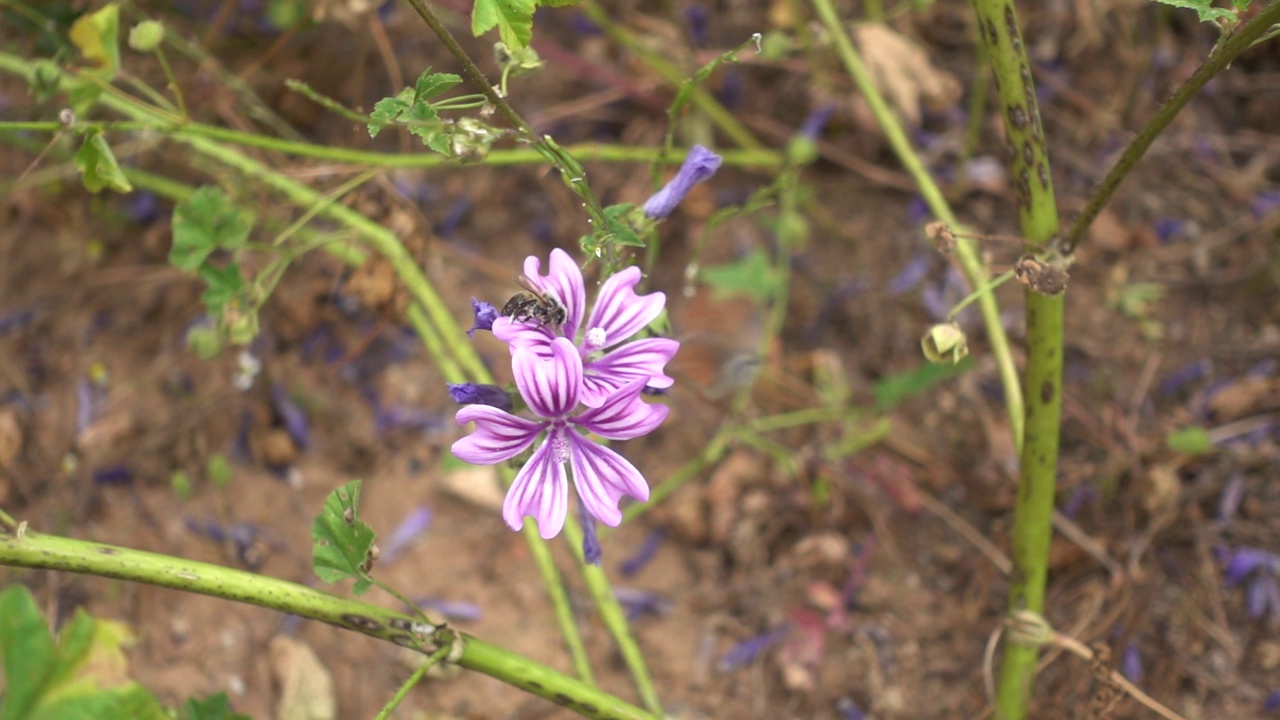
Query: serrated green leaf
x=1203, y=8
x=98, y=166
x=752, y=276
x=214, y=707
x=205, y=222
x=1193, y=440
x=431, y=84
x=387, y=110
x=341, y=541
x=28, y=652
x=223, y=285
x=97, y=35
x=514, y=19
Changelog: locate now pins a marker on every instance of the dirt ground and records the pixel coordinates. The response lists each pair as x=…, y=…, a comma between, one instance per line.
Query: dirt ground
x=879, y=593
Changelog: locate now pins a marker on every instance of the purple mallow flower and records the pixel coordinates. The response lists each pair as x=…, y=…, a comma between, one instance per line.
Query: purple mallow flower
x=700, y=164
x=619, y=313
x=475, y=394
x=485, y=315
x=552, y=388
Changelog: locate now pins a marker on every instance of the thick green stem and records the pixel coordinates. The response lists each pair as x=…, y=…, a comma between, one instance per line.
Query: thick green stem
x=965, y=250
x=1038, y=462
x=50, y=552
x=1239, y=41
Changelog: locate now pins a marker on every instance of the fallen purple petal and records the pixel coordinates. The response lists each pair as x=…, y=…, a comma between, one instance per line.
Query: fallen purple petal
x=1185, y=374
x=849, y=709
x=696, y=15
x=910, y=276
x=1241, y=562
x=116, y=475
x=451, y=609
x=10, y=322
x=417, y=522
x=290, y=415
x=1131, y=663
x=644, y=554
x=453, y=217
x=1272, y=702
x=813, y=125
x=641, y=602
x=1169, y=228
x=745, y=652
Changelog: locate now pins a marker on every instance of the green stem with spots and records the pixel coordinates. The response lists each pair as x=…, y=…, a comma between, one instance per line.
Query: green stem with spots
x=1038, y=461
x=965, y=250
x=51, y=552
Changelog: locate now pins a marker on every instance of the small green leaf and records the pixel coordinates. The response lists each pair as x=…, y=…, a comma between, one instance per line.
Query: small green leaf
x=97, y=34
x=223, y=286
x=387, y=110
x=341, y=541
x=1193, y=440
x=431, y=84
x=514, y=19
x=752, y=276
x=98, y=166
x=214, y=707
x=893, y=389
x=219, y=470
x=203, y=223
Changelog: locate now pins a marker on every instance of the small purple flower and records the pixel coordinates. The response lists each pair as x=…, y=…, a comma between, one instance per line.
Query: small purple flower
x=552, y=388
x=609, y=363
x=700, y=164
x=476, y=394
x=485, y=315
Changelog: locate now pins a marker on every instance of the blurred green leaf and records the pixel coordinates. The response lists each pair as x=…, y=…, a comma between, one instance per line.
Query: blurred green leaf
x=205, y=222
x=219, y=470
x=1193, y=440
x=214, y=707
x=341, y=541
x=893, y=389
x=752, y=276
x=97, y=35
x=1206, y=10
x=223, y=285
x=85, y=675
x=98, y=166
x=514, y=19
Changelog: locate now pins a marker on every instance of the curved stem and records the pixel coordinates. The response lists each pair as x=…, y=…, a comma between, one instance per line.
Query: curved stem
x=409, y=684
x=51, y=552
x=965, y=250
x=1239, y=41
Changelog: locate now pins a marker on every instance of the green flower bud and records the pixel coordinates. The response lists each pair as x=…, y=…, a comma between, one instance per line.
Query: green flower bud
x=146, y=36
x=945, y=343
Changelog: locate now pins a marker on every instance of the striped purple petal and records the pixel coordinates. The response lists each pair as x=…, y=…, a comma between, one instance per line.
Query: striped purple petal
x=563, y=281
x=549, y=387
x=540, y=491
x=624, y=415
x=498, y=437
x=603, y=477
x=639, y=359
x=619, y=312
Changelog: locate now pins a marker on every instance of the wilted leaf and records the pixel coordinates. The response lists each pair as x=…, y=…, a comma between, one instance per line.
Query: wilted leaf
x=96, y=34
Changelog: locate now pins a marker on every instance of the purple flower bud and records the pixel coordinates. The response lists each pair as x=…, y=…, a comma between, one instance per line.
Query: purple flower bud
x=698, y=166
x=485, y=315
x=474, y=394
x=635, y=563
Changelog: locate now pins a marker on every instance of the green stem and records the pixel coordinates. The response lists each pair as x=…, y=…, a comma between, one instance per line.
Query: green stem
x=560, y=605
x=614, y=618
x=173, y=82
x=965, y=250
x=587, y=152
x=711, y=454
x=51, y=552
x=1239, y=41
x=703, y=100
x=1038, y=461
x=409, y=684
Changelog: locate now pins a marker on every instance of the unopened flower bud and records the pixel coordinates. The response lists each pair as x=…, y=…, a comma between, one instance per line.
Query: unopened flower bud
x=146, y=36
x=945, y=343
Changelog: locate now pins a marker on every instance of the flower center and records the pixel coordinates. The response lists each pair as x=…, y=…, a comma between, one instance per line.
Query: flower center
x=559, y=443
x=594, y=340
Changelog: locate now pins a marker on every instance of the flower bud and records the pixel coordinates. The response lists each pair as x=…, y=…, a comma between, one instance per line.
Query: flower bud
x=945, y=343
x=146, y=36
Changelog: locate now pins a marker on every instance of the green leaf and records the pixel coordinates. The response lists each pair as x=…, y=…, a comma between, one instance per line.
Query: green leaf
x=558, y=3
x=1203, y=8
x=621, y=222
x=97, y=36
x=214, y=707
x=893, y=389
x=387, y=110
x=223, y=286
x=1193, y=440
x=752, y=276
x=219, y=470
x=203, y=223
x=431, y=84
x=341, y=541
x=514, y=19
x=28, y=652
x=98, y=167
